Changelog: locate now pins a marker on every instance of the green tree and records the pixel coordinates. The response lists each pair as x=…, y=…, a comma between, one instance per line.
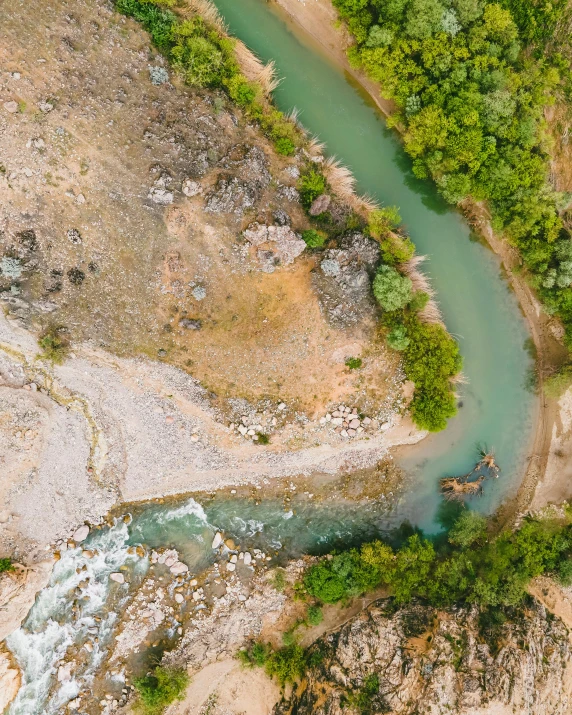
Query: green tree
x=392, y=290
x=468, y=528
x=424, y=18
x=397, y=338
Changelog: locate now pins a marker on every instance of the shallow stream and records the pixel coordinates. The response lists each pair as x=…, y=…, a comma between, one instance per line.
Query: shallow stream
x=497, y=405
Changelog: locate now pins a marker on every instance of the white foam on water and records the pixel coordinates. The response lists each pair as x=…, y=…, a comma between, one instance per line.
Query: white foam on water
x=51, y=627
x=189, y=508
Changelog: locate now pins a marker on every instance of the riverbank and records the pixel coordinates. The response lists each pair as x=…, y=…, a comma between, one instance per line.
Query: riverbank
x=318, y=20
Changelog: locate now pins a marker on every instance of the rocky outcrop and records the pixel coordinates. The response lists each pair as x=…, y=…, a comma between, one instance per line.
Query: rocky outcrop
x=18, y=591
x=418, y=660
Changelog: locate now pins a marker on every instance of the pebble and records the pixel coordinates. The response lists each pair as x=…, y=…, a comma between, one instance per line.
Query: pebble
x=117, y=577
x=217, y=541
x=179, y=598
x=247, y=558
x=11, y=107
x=230, y=566
x=179, y=568
x=282, y=406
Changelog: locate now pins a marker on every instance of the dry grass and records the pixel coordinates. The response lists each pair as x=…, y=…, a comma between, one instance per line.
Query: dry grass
x=431, y=313
x=208, y=11
x=343, y=182
x=254, y=69
x=315, y=146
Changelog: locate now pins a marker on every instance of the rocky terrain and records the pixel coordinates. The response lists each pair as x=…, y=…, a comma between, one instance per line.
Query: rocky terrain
x=418, y=660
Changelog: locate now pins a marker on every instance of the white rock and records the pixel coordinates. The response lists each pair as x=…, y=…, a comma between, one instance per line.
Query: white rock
x=354, y=424
x=351, y=432
x=247, y=558
x=322, y=420
x=359, y=430
x=230, y=566
x=191, y=188
x=160, y=196
x=117, y=577
x=366, y=421
x=170, y=561
x=282, y=406
x=217, y=541
x=81, y=534
x=344, y=433
x=179, y=568
x=64, y=672
x=11, y=107
x=385, y=426
x=242, y=429
x=241, y=597
x=233, y=559
x=179, y=598
x=328, y=417
x=337, y=420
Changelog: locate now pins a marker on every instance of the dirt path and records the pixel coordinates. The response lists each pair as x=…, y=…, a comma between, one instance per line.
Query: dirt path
x=318, y=19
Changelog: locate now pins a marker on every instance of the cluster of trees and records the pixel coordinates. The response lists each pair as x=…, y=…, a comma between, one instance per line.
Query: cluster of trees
x=205, y=57
x=469, y=567
x=470, y=100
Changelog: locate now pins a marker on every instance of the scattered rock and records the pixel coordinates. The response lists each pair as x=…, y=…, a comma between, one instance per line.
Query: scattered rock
x=190, y=324
x=81, y=534
x=179, y=598
x=45, y=107
x=11, y=107
x=158, y=75
x=179, y=568
x=320, y=205
x=199, y=293
x=117, y=577
x=191, y=188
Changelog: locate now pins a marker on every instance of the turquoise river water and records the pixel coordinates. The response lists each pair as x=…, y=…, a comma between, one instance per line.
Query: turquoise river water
x=497, y=407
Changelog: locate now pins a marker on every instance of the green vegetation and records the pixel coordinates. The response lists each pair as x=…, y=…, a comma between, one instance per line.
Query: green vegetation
x=558, y=383
x=467, y=568
x=353, y=363
x=160, y=689
x=54, y=344
x=263, y=438
x=391, y=289
x=279, y=580
x=470, y=98
x=6, y=565
x=205, y=57
x=313, y=238
x=287, y=664
x=315, y=615
x=310, y=186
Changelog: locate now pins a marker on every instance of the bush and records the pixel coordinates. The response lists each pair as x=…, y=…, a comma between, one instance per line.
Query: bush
x=397, y=338
x=54, y=344
x=468, y=528
x=311, y=185
x=383, y=221
x=279, y=580
x=392, y=290
x=353, y=363
x=315, y=615
x=285, y=146
x=160, y=689
x=557, y=384
x=287, y=664
x=313, y=238
x=6, y=565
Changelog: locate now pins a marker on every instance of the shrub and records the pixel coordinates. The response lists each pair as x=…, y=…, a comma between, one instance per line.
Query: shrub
x=353, y=363
x=279, y=580
x=55, y=346
x=468, y=528
x=313, y=238
x=287, y=664
x=315, y=615
x=160, y=689
x=392, y=290
x=397, y=338
x=285, y=146
x=6, y=565
x=557, y=384
x=241, y=91
x=382, y=221
x=311, y=185
x=262, y=438
x=197, y=58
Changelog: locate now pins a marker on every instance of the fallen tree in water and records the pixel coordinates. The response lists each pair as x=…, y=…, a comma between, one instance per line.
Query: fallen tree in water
x=471, y=484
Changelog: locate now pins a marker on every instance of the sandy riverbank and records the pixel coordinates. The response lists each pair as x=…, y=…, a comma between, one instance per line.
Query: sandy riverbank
x=318, y=20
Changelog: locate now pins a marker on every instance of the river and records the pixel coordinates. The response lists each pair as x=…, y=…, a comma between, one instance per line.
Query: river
x=497, y=405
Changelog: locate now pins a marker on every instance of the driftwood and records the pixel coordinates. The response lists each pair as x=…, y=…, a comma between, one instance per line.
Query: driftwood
x=455, y=488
